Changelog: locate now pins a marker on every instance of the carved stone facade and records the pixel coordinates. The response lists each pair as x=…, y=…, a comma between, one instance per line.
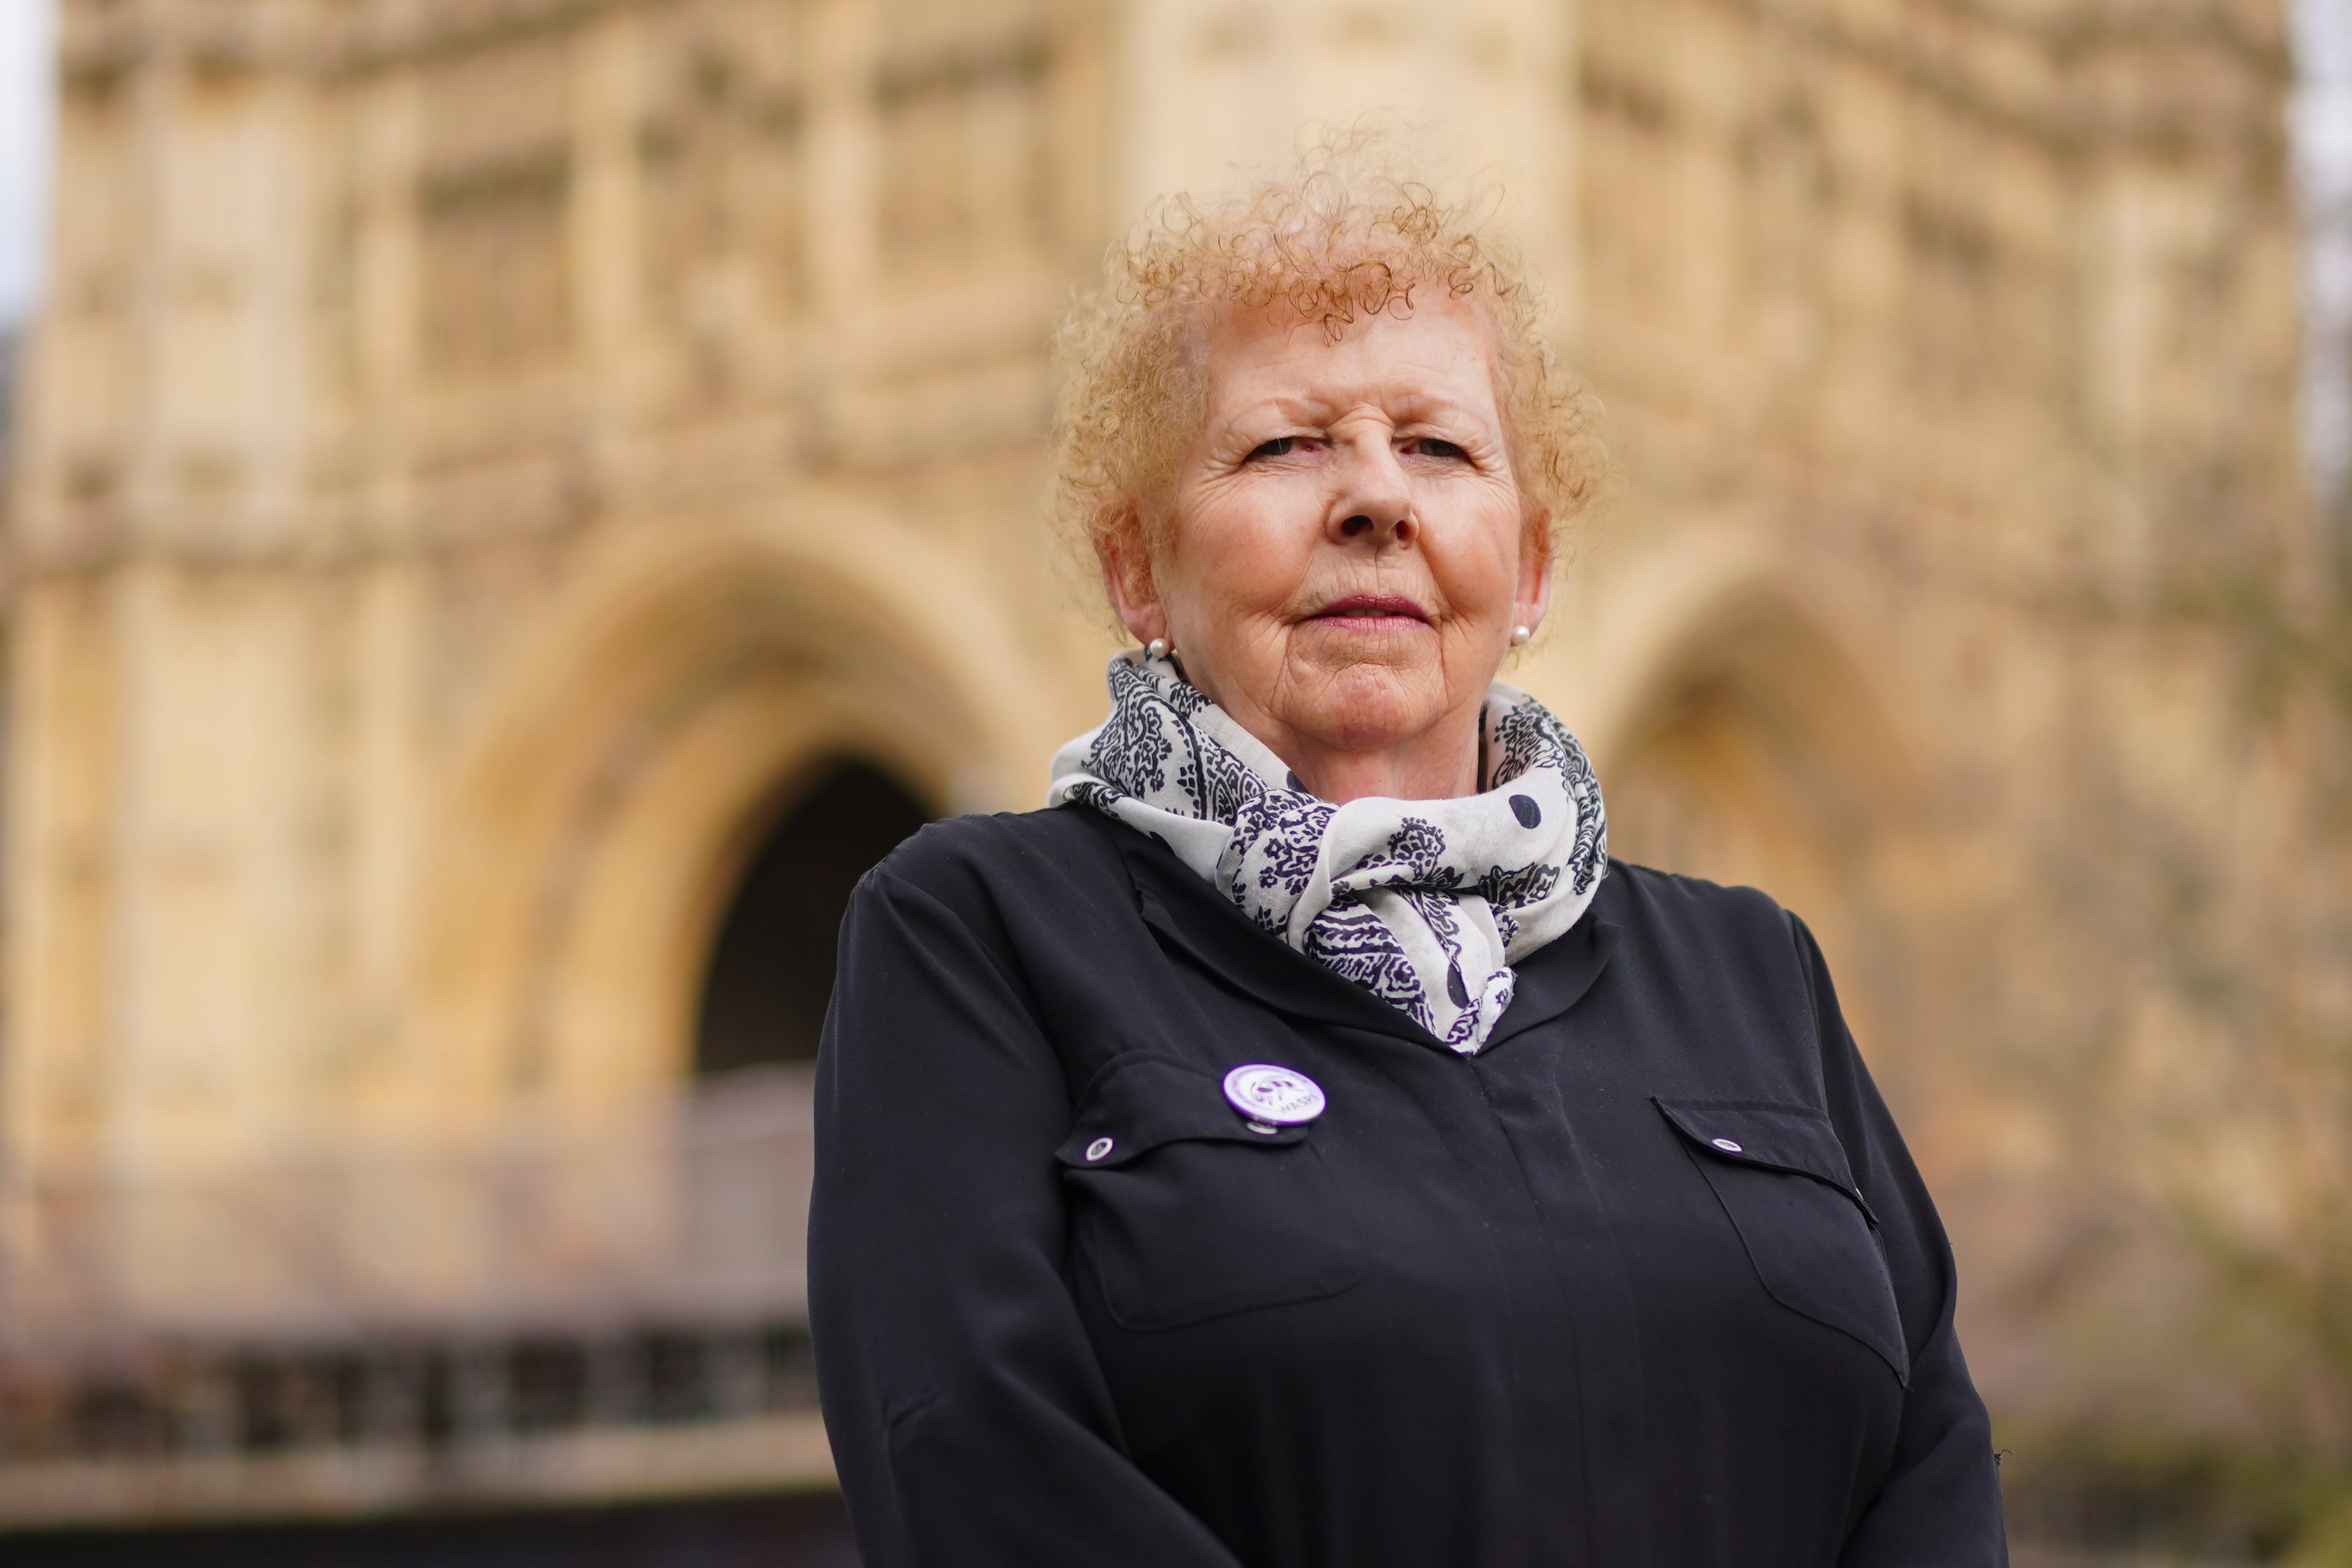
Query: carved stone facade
x=484, y=461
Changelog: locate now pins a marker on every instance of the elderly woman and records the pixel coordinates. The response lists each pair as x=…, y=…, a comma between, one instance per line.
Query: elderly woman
x=1300, y=1144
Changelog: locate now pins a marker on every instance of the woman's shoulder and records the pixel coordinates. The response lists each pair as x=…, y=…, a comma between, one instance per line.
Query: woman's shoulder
x=1054, y=852
x=1689, y=919
x=1740, y=954
x=1644, y=893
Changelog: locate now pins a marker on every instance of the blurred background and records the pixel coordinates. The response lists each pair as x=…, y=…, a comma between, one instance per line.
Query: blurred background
x=497, y=490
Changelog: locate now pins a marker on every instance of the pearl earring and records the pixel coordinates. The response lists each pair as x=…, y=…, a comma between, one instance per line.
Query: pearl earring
x=1155, y=648
x=1519, y=636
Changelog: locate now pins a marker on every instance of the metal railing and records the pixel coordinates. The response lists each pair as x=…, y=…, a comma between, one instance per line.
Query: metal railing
x=590, y=1311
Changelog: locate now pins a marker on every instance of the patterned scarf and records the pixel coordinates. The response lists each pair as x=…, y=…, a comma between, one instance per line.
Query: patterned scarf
x=1424, y=903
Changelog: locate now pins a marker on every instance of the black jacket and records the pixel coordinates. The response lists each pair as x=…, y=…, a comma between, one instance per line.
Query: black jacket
x=1650, y=1282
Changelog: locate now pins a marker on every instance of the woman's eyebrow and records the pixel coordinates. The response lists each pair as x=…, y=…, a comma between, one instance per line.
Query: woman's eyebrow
x=1310, y=409
x=1303, y=408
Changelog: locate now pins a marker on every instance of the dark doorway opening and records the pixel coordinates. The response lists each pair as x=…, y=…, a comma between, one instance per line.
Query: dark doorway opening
x=771, y=974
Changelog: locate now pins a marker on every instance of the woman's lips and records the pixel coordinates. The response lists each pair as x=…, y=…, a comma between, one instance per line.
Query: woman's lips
x=1369, y=611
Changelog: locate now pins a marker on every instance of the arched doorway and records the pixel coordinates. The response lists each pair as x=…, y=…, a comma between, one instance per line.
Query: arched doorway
x=770, y=969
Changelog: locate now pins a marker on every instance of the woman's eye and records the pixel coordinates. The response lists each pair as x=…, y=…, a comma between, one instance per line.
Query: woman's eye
x=1280, y=446
x=1432, y=447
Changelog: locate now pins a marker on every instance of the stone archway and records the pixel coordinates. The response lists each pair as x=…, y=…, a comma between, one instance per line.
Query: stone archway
x=629, y=768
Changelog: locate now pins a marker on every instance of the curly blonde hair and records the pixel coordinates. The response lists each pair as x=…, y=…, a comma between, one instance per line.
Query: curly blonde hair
x=1339, y=238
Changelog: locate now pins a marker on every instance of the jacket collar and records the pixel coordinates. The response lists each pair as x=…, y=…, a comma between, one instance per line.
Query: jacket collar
x=1556, y=976
x=1189, y=916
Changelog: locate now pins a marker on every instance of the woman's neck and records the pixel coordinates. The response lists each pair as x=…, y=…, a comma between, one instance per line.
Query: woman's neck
x=1440, y=763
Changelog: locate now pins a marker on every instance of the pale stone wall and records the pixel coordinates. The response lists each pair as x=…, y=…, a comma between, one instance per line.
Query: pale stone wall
x=475, y=455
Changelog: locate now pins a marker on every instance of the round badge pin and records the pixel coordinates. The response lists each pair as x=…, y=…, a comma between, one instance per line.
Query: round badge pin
x=1279, y=1095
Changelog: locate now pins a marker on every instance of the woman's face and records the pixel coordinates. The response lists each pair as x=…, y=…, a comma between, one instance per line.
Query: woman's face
x=1348, y=549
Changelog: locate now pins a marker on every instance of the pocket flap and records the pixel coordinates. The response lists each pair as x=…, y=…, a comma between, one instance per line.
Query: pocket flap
x=1139, y=1103
x=1791, y=1138
x=1767, y=1163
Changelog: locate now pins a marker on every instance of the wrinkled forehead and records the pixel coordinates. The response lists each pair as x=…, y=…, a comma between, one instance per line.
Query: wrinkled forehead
x=1432, y=347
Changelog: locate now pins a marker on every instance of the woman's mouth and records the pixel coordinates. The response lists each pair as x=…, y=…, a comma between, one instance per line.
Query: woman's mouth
x=1373, y=611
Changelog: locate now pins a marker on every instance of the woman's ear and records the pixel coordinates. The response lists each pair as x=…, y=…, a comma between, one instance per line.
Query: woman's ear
x=1127, y=570
x=1534, y=599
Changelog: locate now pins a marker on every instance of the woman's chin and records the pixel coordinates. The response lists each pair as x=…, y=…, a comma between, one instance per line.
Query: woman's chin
x=1371, y=706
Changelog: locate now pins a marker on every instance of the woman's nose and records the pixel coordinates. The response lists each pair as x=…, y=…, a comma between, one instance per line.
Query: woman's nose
x=1374, y=499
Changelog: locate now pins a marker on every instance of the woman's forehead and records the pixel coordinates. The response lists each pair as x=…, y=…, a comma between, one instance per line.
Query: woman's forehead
x=1443, y=351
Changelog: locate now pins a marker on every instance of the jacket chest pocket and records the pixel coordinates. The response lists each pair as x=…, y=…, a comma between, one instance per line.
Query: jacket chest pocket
x=1184, y=1214
x=1782, y=1176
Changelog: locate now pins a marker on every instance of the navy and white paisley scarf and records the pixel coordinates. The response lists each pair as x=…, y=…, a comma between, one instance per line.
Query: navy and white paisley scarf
x=1424, y=903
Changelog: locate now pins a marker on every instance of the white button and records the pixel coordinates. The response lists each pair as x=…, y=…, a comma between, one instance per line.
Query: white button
x=1279, y=1095
x=1098, y=1149
x=1262, y=1127
x=1725, y=1144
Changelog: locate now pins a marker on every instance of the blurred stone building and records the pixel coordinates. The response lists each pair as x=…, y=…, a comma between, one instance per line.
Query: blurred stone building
x=510, y=492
